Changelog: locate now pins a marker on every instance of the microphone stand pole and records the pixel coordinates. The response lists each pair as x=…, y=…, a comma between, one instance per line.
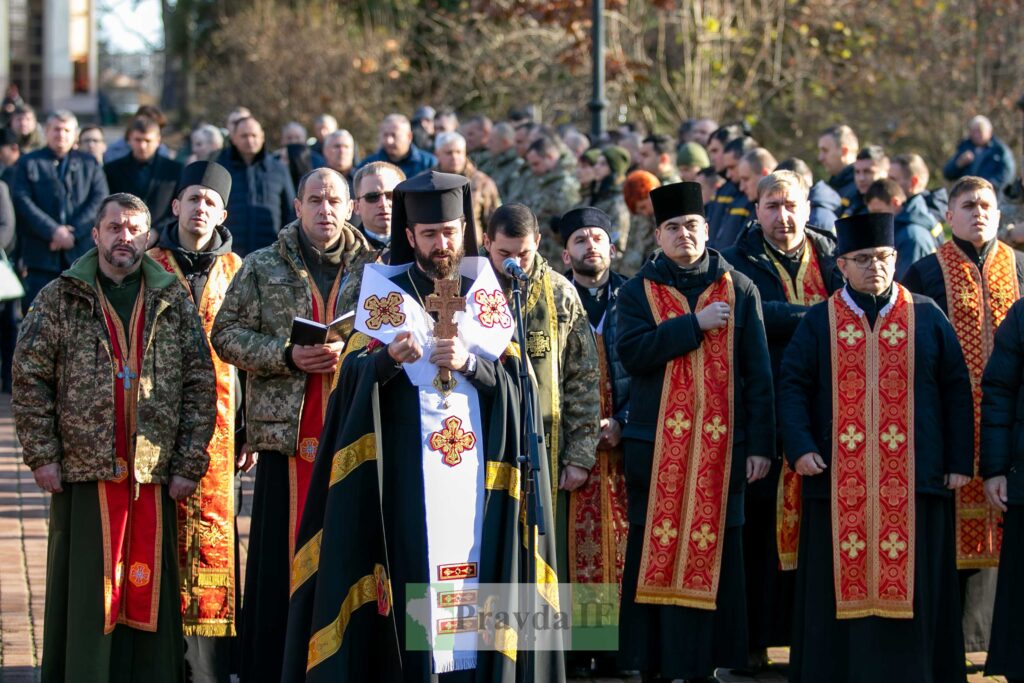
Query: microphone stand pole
x=529, y=456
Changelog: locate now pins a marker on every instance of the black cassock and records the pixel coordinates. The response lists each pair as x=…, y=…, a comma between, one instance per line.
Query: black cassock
x=928, y=648
x=668, y=640
x=358, y=531
x=977, y=586
x=1002, y=454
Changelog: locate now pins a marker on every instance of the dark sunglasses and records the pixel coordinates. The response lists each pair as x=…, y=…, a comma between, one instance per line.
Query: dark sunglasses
x=374, y=197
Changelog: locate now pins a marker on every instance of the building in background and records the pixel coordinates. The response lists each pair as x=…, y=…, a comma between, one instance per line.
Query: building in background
x=48, y=48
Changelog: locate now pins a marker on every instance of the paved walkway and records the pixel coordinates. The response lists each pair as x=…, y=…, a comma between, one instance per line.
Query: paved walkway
x=23, y=528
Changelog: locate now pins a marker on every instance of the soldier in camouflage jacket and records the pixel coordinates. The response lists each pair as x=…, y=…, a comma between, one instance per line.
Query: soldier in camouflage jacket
x=62, y=403
x=252, y=329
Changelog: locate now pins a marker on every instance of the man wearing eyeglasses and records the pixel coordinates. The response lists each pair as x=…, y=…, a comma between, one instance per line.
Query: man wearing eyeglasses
x=975, y=279
x=701, y=426
x=877, y=418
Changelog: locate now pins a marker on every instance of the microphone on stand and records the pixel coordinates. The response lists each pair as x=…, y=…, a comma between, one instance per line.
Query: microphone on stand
x=512, y=268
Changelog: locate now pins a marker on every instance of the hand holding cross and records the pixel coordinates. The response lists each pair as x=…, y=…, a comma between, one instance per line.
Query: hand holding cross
x=446, y=302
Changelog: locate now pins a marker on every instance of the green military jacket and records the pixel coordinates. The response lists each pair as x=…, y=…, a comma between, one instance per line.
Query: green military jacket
x=252, y=329
x=63, y=398
x=639, y=245
x=504, y=171
x=554, y=193
x=563, y=353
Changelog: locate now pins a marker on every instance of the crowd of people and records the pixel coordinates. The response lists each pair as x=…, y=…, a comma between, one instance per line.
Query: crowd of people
x=773, y=410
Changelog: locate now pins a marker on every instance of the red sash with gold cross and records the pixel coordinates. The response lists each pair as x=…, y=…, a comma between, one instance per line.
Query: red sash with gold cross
x=682, y=553
x=808, y=289
x=206, y=519
x=597, y=510
x=131, y=516
x=311, y=420
x=977, y=303
x=873, y=458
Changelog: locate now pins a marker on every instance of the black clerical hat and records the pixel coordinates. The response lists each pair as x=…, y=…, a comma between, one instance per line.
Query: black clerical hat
x=430, y=197
x=583, y=217
x=864, y=231
x=677, y=199
x=208, y=174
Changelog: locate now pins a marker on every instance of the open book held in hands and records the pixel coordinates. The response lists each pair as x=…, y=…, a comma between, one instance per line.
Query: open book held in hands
x=310, y=333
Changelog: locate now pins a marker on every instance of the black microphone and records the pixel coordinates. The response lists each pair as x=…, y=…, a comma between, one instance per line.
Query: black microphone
x=514, y=271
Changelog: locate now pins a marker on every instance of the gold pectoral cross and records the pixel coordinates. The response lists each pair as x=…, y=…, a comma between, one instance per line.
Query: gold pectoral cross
x=445, y=302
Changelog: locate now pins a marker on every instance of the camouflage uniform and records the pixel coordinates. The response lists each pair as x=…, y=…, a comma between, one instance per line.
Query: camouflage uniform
x=504, y=171
x=62, y=400
x=568, y=383
x=578, y=410
x=639, y=246
x=252, y=329
x=609, y=199
x=485, y=196
x=554, y=193
x=480, y=157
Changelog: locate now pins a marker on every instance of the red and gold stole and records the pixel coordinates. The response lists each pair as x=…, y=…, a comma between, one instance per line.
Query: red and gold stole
x=807, y=290
x=682, y=552
x=977, y=304
x=873, y=459
x=206, y=519
x=311, y=419
x=131, y=516
x=597, y=510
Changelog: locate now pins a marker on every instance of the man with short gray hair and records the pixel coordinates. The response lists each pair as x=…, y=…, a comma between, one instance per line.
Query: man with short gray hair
x=981, y=154
x=56, y=192
x=450, y=148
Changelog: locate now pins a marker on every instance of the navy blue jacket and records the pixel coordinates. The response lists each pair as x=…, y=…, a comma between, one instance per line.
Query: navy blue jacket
x=994, y=163
x=122, y=176
x=915, y=238
x=43, y=202
x=646, y=348
x=844, y=184
x=825, y=206
x=853, y=205
x=938, y=203
x=414, y=163
x=261, y=199
x=727, y=214
x=1002, y=407
x=943, y=407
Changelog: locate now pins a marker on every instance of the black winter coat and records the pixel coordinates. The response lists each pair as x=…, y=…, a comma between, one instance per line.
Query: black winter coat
x=646, y=349
x=261, y=200
x=943, y=407
x=122, y=176
x=1002, y=407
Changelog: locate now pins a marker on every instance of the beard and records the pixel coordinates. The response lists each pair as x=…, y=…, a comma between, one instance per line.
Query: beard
x=440, y=264
x=118, y=258
x=587, y=269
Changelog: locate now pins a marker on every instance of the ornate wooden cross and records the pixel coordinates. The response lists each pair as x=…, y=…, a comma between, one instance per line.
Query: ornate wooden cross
x=446, y=302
